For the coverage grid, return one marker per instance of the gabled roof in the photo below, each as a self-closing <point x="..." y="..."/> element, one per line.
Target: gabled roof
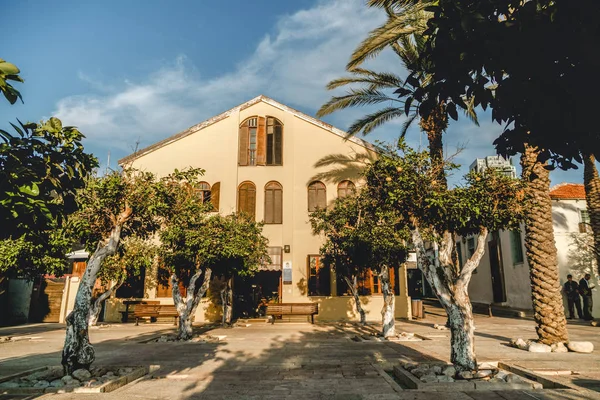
<point x="568" y="191"/>
<point x="226" y="114"/>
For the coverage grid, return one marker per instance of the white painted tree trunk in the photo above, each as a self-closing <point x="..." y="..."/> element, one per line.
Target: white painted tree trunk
<point x="227" y="302"/>
<point x="353" y="285"/>
<point x="450" y="284"/>
<point x="77" y="351"/>
<point x="388" y="310"/>
<point x="186" y="308"/>
<point x="97" y="305"/>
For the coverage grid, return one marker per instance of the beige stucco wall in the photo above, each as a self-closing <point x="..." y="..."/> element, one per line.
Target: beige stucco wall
<point x="215" y="149"/>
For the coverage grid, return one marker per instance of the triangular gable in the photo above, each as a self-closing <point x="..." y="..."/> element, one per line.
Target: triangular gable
<point x="226" y="114"/>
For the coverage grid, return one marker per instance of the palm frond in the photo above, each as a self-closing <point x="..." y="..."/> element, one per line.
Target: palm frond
<point x="406" y="124"/>
<point x="369" y="122"/>
<point x="373" y="79"/>
<point x="354" y="98"/>
<point x="470" y="112"/>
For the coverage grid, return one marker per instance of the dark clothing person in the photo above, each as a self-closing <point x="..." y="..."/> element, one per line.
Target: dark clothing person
<point x="571" y="289"/>
<point x="586" y="294"/>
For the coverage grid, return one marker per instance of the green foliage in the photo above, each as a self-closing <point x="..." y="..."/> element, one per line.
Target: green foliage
<point x="134" y="256"/>
<point x="9" y="72"/>
<point x="360" y="235"/>
<point x="104" y="198"/>
<point x="193" y="238"/>
<point x="41" y="168"/>
<point x="31" y="255"/>
<point x="406" y="182"/>
<point x="529" y="61"/>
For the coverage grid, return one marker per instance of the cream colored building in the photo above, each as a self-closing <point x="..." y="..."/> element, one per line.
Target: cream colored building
<point x="503" y="275"/>
<point x="260" y="157"/>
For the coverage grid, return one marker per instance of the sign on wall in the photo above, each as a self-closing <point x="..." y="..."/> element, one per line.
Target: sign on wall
<point x="287" y="272"/>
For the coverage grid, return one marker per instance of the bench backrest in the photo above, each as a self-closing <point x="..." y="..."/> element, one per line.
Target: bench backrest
<point x="293" y="308"/>
<point x="146" y="308"/>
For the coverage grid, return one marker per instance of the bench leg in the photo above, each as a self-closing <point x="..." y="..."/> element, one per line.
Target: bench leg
<point x="136" y="321"/>
<point x="175" y="321"/>
<point x="312" y="319"/>
<point x="272" y="319"/>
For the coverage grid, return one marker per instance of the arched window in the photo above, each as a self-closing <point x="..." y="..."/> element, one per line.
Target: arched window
<point x="346" y="188"/>
<point x="317" y="196"/>
<point x="274" y="141"/>
<point x="204" y="192"/>
<point x="260" y="141"/>
<point x="273" y="203"/>
<point x="215" y="195"/>
<point x="247" y="198"/>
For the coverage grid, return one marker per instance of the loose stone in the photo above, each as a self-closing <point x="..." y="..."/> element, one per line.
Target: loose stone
<point x="535" y="347"/>
<point x="9" y="385"/>
<point x="57" y="383"/>
<point x="429" y="378"/>
<point x="420" y="372"/>
<point x="41" y="384"/>
<point x="519" y="343"/>
<point x="559" y="348"/>
<point x="512" y="378"/>
<point x="436" y="369"/>
<point x="444" y="378"/>
<point x="483" y="373"/>
<point x="580" y="347"/>
<point x="501" y="375"/>
<point x="449" y="371"/>
<point x="465" y="375"/>
<point x="81" y="374"/>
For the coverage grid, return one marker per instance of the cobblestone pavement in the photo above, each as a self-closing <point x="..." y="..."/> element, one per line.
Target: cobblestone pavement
<point x="298" y="360"/>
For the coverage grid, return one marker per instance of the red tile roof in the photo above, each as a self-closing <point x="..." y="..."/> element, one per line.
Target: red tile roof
<point x="568" y="191"/>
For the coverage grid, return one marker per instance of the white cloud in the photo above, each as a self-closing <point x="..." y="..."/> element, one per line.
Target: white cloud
<point x="306" y="50"/>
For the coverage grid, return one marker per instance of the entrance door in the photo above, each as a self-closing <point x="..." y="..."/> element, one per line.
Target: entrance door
<point x="497" y="269"/>
<point x="45" y="300"/>
<point x="251" y="292"/>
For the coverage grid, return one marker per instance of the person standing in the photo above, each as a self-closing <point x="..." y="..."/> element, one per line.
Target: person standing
<point x="585" y="288"/>
<point x="571" y="290"/>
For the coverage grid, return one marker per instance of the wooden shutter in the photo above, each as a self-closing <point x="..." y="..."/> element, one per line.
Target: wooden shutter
<point x="278" y="144"/>
<point x="269" y="206"/>
<point x="252" y="201"/>
<point x="278" y="206"/>
<point x="215" y="195"/>
<point x="321" y="197"/>
<point x="242" y="199"/>
<point x="261" y="142"/>
<point x="243" y="148"/>
<point x="312" y="198"/>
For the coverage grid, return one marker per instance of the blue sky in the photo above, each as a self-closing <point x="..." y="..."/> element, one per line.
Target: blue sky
<point x="129" y="71"/>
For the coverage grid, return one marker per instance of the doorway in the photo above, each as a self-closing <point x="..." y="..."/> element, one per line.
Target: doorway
<point x="253" y="293"/>
<point x="497" y="269"/>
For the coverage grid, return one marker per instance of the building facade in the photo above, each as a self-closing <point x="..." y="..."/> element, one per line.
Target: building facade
<point x="498" y="163"/>
<point x="503" y="275"/>
<point x="260" y="157"/>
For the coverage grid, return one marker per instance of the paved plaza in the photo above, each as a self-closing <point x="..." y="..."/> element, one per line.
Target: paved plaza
<point x="298" y="360"/>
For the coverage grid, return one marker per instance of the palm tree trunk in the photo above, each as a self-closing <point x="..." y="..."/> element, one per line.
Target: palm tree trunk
<point x="591" y="181"/>
<point x="548" y="307"/>
<point x="434" y="126"/>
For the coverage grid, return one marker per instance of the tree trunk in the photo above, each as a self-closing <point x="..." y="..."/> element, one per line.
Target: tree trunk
<point x="451" y="284"/>
<point x="549" y="313"/>
<point x="592" y="199"/>
<point x="97" y="305"/>
<point x="353" y="285"/>
<point x="388" y="310"/>
<point x="187" y="308"/>
<point x="227" y="302"/>
<point x="434" y="126"/>
<point x="77" y="351"/>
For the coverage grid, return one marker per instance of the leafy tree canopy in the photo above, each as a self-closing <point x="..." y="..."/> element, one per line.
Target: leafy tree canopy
<point x="529" y="61"/>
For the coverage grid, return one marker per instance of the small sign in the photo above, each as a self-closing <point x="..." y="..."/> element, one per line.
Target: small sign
<point x="287" y="272"/>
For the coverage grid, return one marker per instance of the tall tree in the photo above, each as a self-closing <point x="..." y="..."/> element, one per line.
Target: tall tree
<point x="405" y="183"/>
<point x="112" y="207"/>
<point x="363" y="238"/>
<point x="591" y="182"/>
<point x="131" y="260"/>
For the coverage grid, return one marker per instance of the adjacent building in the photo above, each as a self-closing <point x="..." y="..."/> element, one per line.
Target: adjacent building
<point x="498" y="163"/>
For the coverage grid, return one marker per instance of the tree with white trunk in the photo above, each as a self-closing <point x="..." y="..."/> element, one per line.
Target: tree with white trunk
<point x="132" y="259"/>
<point x="197" y="245"/>
<point x="361" y="237"/>
<point x="406" y="182"/>
<point x="111" y="208"/>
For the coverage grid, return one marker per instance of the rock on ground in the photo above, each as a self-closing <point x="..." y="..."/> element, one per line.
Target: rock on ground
<point x="559" y="348"/>
<point x="580" y="347"/>
<point x="535" y="347"/>
<point x="449" y="371"/>
<point x="82" y="374"/>
<point x="519" y="343"/>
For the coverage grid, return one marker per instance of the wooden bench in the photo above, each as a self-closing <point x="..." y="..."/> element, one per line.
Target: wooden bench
<point x="155" y="311"/>
<point x="293" y="309"/>
<point x="130" y="306"/>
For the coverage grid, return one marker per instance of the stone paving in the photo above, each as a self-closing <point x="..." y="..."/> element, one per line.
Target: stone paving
<point x="297" y="360"/>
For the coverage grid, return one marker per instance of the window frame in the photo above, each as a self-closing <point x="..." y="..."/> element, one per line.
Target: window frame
<point x="239" y="196"/>
<point x="203" y="190"/>
<point x="516" y="249"/>
<point x="272" y="191"/>
<point x="346" y="188"/>
<point x="321" y="188"/>
<point x="309" y="275"/>
<point x="271" y="140"/>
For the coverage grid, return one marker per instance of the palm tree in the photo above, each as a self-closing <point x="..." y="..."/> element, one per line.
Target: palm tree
<point x="549" y="313"/>
<point x="591" y="181"/>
